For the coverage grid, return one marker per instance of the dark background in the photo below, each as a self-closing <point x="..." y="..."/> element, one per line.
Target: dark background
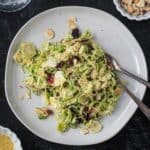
<point x="134" y="136"/>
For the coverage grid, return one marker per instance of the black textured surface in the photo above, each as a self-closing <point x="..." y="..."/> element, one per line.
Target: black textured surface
<point x="134" y="136"/>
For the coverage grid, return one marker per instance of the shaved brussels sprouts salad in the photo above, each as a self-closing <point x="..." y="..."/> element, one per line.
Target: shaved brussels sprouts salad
<point x="73" y="77"/>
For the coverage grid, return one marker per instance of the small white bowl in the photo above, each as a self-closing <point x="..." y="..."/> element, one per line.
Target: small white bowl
<point x="126" y="14"/>
<point x="13" y="137"/>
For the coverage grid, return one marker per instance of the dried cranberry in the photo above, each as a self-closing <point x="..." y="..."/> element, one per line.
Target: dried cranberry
<point x="50" y="112"/>
<point x="70" y="62"/>
<point x="50" y="78"/>
<point x="75" y="33"/>
<point x="76" y="57"/>
<point x="60" y="65"/>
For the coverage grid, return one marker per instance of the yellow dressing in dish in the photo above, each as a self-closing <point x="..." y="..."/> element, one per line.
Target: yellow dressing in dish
<point x="6" y="143"/>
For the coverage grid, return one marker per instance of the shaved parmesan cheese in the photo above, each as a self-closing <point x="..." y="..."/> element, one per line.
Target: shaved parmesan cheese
<point x="59" y="78"/>
<point x="51" y="62"/>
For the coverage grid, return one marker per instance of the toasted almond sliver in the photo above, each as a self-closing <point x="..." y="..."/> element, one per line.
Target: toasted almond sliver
<point x="84" y="131"/>
<point x="73" y="19"/>
<point x="128" y="2"/>
<point x="49" y="33"/>
<point x="140" y="3"/>
<point x="130" y="9"/>
<point x="72" y="22"/>
<point x="42" y="110"/>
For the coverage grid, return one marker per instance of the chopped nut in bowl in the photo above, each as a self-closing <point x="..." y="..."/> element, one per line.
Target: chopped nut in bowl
<point x="9" y="140"/>
<point x="134" y="9"/>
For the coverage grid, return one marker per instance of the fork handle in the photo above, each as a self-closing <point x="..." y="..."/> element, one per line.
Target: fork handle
<point x="134" y="77"/>
<point x="141" y="105"/>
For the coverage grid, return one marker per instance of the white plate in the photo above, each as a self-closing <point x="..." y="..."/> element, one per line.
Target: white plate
<point x="13" y="137"/>
<point x="112" y="35"/>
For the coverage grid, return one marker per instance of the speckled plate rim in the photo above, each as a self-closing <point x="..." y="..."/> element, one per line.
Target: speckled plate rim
<point x="131" y="104"/>
<point x="127" y="15"/>
<point x="13" y="137"/>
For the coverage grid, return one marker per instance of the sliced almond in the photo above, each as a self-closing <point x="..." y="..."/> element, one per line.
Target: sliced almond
<point x="140" y="3"/>
<point x="130" y="9"/>
<point x="49" y="33"/>
<point x="84" y="131"/>
<point x="73" y="18"/>
<point x="72" y="22"/>
<point x="43" y="112"/>
<point x="128" y="2"/>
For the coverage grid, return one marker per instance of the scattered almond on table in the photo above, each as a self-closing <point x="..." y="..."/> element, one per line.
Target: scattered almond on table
<point x="136" y="7"/>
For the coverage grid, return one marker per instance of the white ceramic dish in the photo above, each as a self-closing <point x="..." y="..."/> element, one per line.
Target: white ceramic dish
<point x="13" y="137"/>
<point x="112" y="35"/>
<point x="127" y="15"/>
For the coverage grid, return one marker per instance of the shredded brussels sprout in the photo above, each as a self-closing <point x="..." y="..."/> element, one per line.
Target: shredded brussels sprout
<point x="73" y="77"/>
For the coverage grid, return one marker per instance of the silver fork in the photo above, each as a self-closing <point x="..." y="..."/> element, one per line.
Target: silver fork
<point x="116" y="67"/>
